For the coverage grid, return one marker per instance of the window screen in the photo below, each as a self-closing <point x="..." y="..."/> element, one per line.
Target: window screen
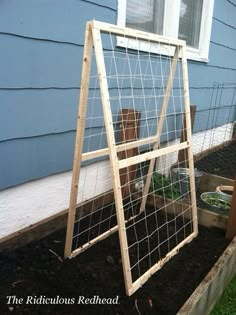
<point x="190" y="21"/>
<point x="145" y="15"/>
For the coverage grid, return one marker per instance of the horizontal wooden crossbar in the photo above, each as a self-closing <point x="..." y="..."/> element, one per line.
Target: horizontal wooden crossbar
<point x="152" y="155"/>
<point x="141" y="280"/>
<point x="132" y="33"/>
<point x="119" y="148"/>
<point x="100" y="237"/>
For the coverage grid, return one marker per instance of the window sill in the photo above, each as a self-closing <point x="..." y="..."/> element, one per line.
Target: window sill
<point x="165" y="50"/>
<point x="196" y="55"/>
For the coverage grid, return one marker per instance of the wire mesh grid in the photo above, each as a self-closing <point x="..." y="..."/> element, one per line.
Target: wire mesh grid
<point x="147" y="106"/>
<point x="216" y="147"/>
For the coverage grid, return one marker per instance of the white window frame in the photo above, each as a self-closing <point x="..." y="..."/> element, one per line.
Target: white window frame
<point x="171" y="29"/>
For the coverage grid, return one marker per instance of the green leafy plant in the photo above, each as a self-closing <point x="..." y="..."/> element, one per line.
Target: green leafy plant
<point x="217" y="202"/>
<point x="162" y="185"/>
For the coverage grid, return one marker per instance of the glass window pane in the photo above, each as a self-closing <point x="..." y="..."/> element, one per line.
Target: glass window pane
<point x="190" y="21"/>
<point x="145" y="15"/>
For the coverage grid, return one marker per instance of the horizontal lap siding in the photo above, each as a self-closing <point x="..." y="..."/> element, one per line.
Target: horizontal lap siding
<point x="35" y="112"/>
<point x="55" y="20"/>
<point x="41" y="44"/>
<point x="41" y="51"/>
<point x="222" y="55"/>
<point x="27" y="63"/>
<point x="221" y="68"/>
<point x="32" y="158"/>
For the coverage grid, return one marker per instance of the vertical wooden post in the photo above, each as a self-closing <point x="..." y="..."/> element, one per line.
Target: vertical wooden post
<point x="85" y="77"/>
<point x="106" y="105"/>
<point x="234" y="132"/>
<point x="183" y="154"/>
<point x="231" y="225"/>
<point x="189" y="139"/>
<point x="129" y="131"/>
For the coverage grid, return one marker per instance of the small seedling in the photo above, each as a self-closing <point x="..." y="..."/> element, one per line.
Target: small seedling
<point x="162" y="185"/>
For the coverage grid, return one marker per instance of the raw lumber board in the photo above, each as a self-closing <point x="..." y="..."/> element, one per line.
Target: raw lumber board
<point x="203" y="299"/>
<point x="231" y="226"/>
<point x="209" y="182"/>
<point x="206" y="152"/>
<point x="205" y="217"/>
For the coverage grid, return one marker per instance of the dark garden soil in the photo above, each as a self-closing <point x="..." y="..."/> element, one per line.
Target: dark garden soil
<point x="35" y="271"/>
<point x="221" y="162"/>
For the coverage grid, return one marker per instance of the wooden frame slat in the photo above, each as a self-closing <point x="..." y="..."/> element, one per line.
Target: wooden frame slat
<point x="231" y="226"/>
<point x="113" y="156"/>
<point x="152" y="155"/>
<point x="189" y="137"/>
<point x="119" y="148"/>
<point x="85" y="77"/>
<point x="140" y="282"/>
<point x="99" y="238"/>
<point x="136" y="34"/>
<point x="89" y="244"/>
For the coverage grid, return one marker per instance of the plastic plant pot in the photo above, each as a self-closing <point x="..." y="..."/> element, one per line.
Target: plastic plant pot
<point x="216" y="201"/>
<point x="182" y="179"/>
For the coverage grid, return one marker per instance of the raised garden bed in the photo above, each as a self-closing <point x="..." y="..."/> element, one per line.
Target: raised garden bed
<point x="221" y="162"/>
<point x="209" y="183"/>
<point x="227" y="302"/>
<point x="210" y="289"/>
<point x="34" y="270"/>
<point x="218" y="165"/>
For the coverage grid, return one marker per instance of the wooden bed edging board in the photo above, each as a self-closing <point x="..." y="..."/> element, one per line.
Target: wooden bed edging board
<point x="51" y="224"/>
<point x="58" y="221"/>
<point x="205" y="217"/>
<point x="203" y="299"/>
<point x="209" y="182"/>
<point x="206" y="152"/>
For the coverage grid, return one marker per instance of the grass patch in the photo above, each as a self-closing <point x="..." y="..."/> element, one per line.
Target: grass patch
<point x="226" y="305"/>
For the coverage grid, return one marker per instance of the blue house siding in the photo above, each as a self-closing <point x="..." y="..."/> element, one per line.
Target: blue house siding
<point x="35" y="112"/>
<point x="55" y="20"/>
<point x="41" y="44"/>
<point x="220" y="68"/>
<point x="37" y="64"/>
<point x="31" y="158"/>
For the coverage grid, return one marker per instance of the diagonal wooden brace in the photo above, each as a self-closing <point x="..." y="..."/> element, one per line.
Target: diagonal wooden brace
<point x="160" y="124"/>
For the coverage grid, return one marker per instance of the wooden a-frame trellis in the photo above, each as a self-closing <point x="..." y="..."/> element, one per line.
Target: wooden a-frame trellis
<point x="93" y="39"/>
